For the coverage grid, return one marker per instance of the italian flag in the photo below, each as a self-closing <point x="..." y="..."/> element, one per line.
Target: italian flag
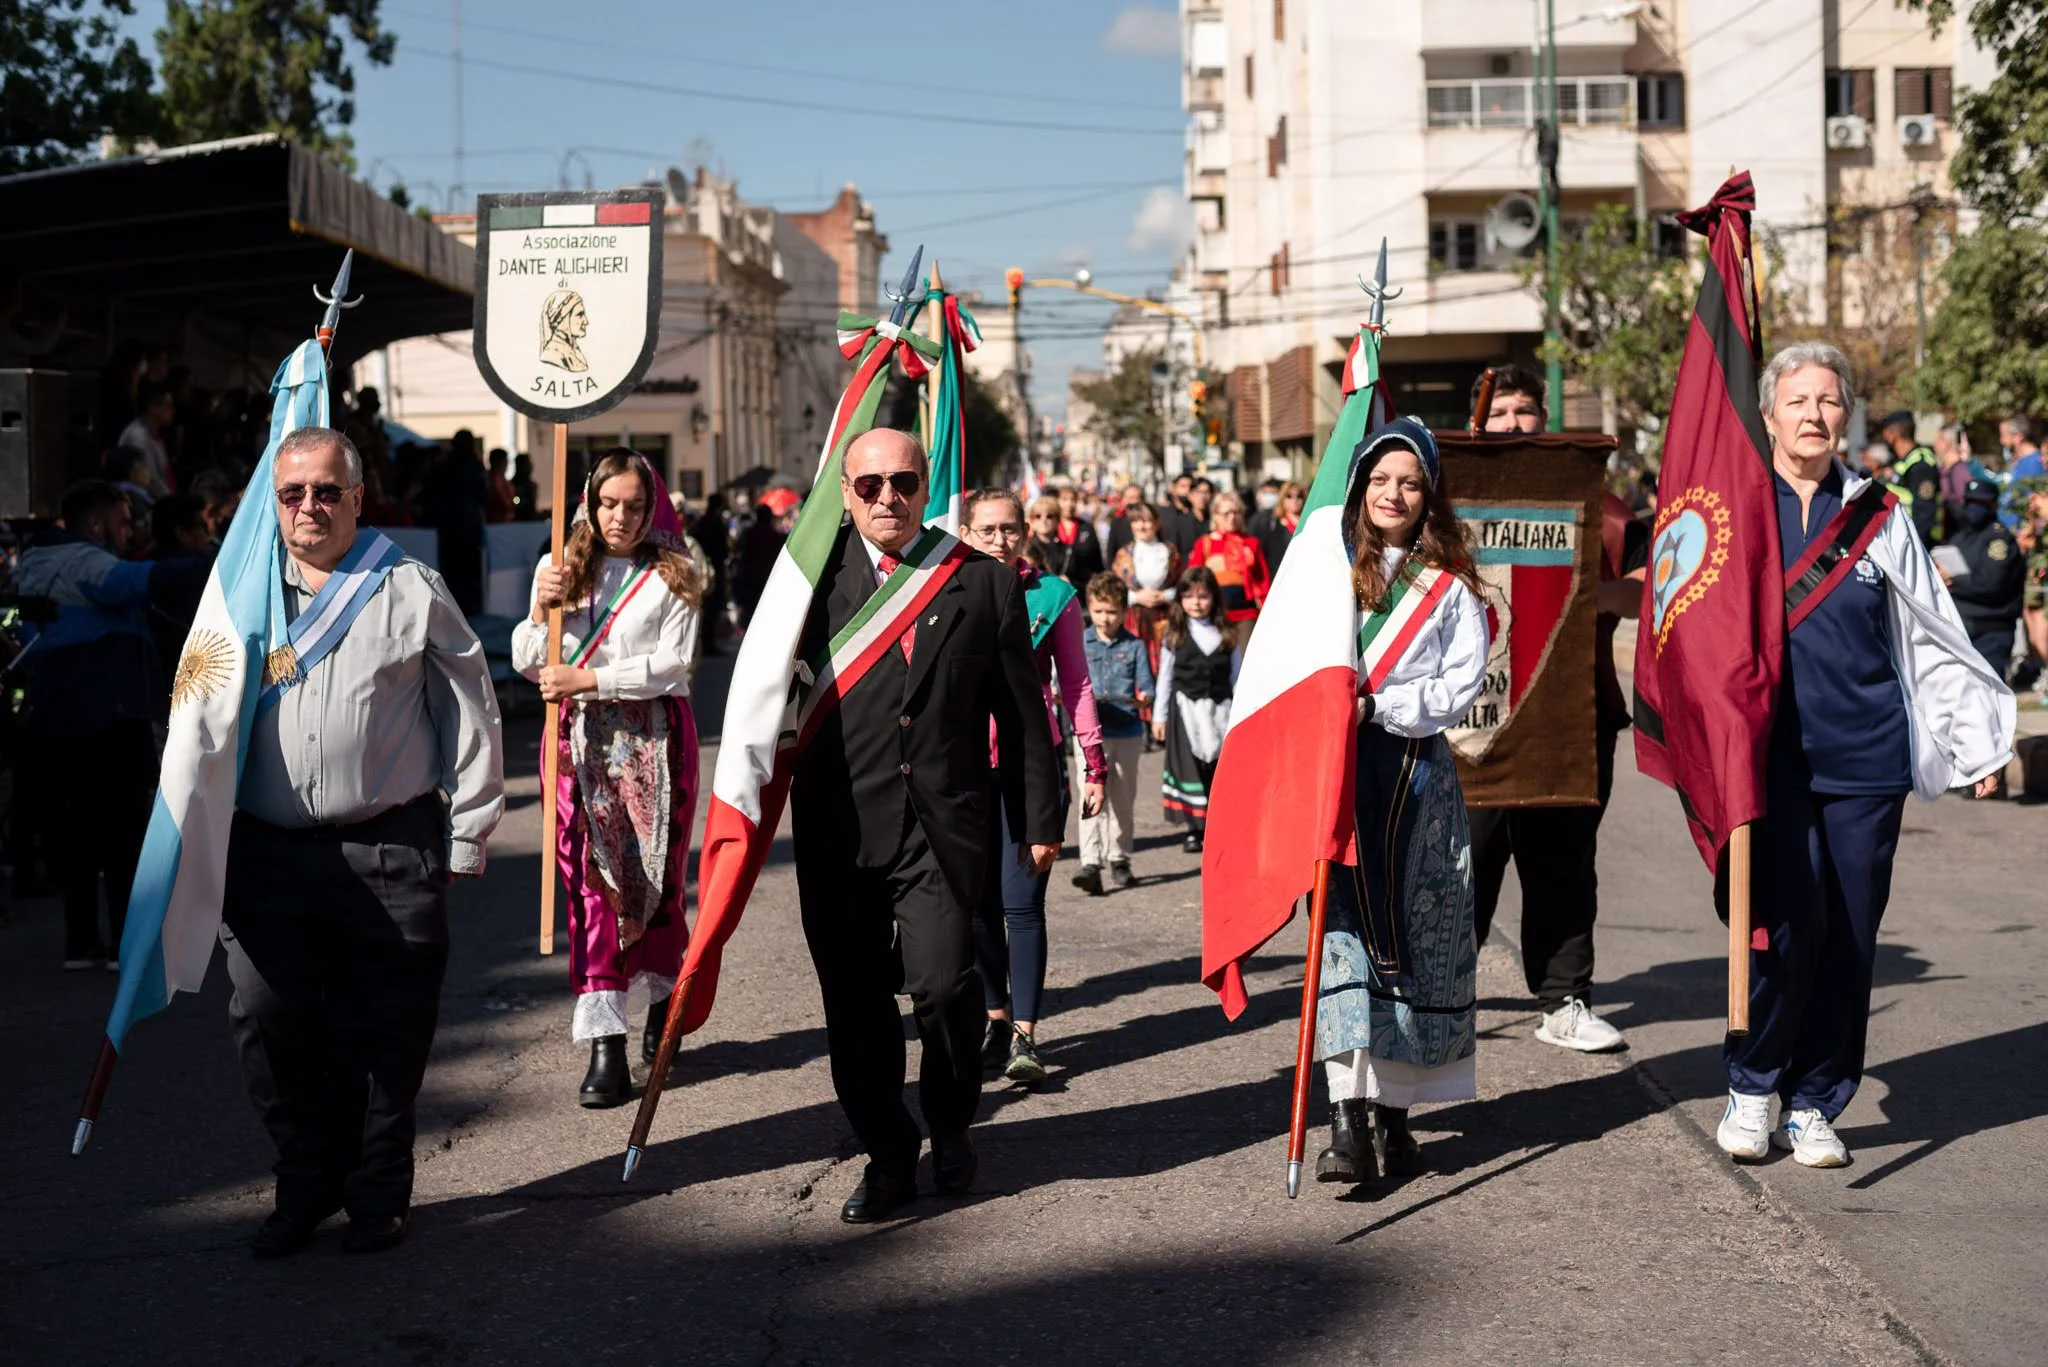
<point x="1282" y="795"/>
<point x="777" y="699"/>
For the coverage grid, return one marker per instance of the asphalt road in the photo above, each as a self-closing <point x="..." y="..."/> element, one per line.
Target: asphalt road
<point x="1133" y="1210"/>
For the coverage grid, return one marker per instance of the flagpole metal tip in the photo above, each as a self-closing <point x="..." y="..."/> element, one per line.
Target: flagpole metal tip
<point x="632" y="1162"/>
<point x="80" y="1136"/>
<point x="1293" y="1178"/>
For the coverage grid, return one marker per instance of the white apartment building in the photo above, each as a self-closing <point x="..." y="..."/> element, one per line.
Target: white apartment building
<point x="1317" y="127"/>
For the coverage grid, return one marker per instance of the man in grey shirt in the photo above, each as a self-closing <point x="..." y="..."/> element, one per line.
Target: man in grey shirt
<point x="369" y="782"/>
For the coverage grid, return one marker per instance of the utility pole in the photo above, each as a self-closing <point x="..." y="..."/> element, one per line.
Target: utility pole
<point x="1546" y="156"/>
<point x="457" y="190"/>
<point x="1014" y="278"/>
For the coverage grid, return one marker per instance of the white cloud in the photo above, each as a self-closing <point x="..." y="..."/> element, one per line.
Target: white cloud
<point x="1162" y="223"/>
<point x="1141" y="31"/>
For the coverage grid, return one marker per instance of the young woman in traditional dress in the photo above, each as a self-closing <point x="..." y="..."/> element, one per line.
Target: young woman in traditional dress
<point x="1149" y="567"/>
<point x="627" y="788"/>
<point x="1010" y="943"/>
<point x="1395" y="1024"/>
<point x="1199" y="656"/>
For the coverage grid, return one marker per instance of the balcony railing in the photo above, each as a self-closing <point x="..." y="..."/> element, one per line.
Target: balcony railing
<point x="1586" y="100"/>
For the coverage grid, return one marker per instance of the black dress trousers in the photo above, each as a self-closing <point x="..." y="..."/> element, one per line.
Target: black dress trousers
<point x="874" y="931"/>
<point x="337" y="942"/>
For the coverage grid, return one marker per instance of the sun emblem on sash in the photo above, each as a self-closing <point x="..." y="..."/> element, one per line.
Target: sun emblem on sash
<point x="280" y="666"/>
<point x="204" y="669"/>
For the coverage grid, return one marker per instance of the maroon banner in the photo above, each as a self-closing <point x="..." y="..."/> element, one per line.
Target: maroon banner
<point x="1710" y="649"/>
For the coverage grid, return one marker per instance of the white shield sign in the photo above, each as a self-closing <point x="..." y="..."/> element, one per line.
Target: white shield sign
<point x="568" y="297"/>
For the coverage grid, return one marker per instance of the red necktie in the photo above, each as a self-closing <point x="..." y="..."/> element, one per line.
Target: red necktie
<point x="888" y="566"/>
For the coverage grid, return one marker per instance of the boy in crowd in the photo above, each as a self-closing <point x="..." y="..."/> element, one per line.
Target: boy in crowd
<point x="1120" y="673"/>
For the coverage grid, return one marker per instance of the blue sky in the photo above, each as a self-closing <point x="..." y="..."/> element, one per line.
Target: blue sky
<point x="980" y="196"/>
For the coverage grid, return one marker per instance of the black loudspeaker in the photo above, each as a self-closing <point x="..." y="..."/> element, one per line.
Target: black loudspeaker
<point x="35" y="438"/>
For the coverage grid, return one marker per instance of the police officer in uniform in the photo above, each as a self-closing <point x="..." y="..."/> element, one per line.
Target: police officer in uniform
<point x="1916" y="477"/>
<point x="1989" y="595"/>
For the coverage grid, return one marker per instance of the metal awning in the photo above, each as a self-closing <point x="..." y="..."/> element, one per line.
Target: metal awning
<point x="213" y="251"/>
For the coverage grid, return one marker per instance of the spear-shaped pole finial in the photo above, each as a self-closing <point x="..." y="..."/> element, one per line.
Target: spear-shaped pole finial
<point x="336" y="300"/>
<point x="1376" y="289"/>
<point x="906" y="294"/>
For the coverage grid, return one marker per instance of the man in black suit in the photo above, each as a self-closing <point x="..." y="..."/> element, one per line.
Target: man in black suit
<point x="893" y="801"/>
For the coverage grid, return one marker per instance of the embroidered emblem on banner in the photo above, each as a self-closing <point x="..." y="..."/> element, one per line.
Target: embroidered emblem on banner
<point x="204" y="669"/>
<point x="1527" y="555"/>
<point x="1691" y="546"/>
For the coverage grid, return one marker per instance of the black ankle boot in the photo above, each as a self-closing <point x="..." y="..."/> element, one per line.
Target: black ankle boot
<point x="1349" y="1157"/>
<point x="650" y="1039"/>
<point x="1399" y="1154"/>
<point x="609" y="1081"/>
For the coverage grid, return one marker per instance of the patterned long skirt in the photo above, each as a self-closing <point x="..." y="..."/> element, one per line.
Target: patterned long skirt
<point x="1395" y="1021"/>
<point x="623" y="847"/>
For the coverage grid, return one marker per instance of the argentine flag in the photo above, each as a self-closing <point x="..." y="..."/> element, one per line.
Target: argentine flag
<point x="174" y="910"/>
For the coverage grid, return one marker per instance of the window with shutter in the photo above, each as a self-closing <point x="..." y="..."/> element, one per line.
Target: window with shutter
<point x="1272" y="159"/>
<point x="1940" y="92"/>
<point x="1279" y="21"/>
<point x="1280" y="137"/>
<point x="1247" y="76"/>
<point x="1863" y="94"/>
<point x="1835" y="93"/>
<point x="1911" y="91"/>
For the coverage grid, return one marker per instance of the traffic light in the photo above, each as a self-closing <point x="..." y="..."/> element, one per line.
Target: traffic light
<point x="1197" y="391"/>
<point x="1014" y="278"/>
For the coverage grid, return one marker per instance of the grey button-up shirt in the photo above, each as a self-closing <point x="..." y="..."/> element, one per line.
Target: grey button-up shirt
<point x="401" y="707"/>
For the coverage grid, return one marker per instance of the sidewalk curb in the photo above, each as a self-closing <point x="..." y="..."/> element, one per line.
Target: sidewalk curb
<point x="1837" y="1262"/>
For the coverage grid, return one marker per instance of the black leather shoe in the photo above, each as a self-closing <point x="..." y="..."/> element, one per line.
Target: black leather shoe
<point x="879" y="1196"/>
<point x="286" y="1232"/>
<point x="1399" y="1154"/>
<point x="995" y="1047"/>
<point x="954" y="1163"/>
<point x="609" y="1081"/>
<point x="1349" y="1157"/>
<point x="375" y="1233"/>
<point x="650" y="1038"/>
<point x="1193" y="844"/>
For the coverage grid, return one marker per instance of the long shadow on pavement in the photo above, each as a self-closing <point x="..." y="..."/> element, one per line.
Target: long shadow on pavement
<point x="1941" y="1095"/>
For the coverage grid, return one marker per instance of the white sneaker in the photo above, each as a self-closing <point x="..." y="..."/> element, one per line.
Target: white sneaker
<point x="1745" y="1129"/>
<point x="1813" y="1142"/>
<point x="1574" y="1026"/>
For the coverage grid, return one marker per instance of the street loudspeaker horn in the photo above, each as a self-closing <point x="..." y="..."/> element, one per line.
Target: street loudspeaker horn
<point x="1514" y="223"/>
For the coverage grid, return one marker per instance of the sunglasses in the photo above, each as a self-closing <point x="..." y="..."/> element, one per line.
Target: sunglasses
<point x="906" y="483"/>
<point x="326" y="495"/>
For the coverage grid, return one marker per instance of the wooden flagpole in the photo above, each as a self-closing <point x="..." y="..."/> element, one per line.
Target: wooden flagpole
<point x="1738" y="931"/>
<point x="1305" y="1048"/>
<point x="558" y="487"/>
<point x="931" y="389"/>
<point x="657" y="1075"/>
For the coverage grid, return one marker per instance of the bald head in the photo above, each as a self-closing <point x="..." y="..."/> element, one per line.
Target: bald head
<point x="878" y="464"/>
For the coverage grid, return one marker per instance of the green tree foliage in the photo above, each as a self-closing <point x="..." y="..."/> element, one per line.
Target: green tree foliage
<point x="1987" y="347"/>
<point x="234" y="67"/>
<point x="66" y="77"/>
<point x="1624" y="313"/>
<point x="1126" y="403"/>
<point x="2002" y="130"/>
<point x="1987" y="344"/>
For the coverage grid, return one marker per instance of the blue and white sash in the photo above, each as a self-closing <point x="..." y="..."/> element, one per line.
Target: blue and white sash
<point x="319" y="629"/>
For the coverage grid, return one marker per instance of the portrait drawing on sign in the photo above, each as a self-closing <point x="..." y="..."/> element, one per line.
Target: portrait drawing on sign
<point x="564" y="323"/>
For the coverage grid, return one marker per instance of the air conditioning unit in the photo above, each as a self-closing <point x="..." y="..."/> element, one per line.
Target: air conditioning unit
<point x="1848" y="133"/>
<point x="1917" y="130"/>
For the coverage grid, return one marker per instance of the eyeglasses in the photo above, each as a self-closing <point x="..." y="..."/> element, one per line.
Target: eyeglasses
<point x="1004" y="531"/>
<point x="326" y="495"/>
<point x="906" y="483"/>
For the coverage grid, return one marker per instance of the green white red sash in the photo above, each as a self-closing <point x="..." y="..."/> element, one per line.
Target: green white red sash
<point x="601" y="625"/>
<point x="927" y="563"/>
<point x="1386" y="634"/>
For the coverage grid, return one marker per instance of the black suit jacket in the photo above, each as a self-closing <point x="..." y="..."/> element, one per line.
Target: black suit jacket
<point x="909" y="743"/>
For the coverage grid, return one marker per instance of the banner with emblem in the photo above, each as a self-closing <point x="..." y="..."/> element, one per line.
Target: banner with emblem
<point x="568" y="297"/>
<point x="1531" y="506"/>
